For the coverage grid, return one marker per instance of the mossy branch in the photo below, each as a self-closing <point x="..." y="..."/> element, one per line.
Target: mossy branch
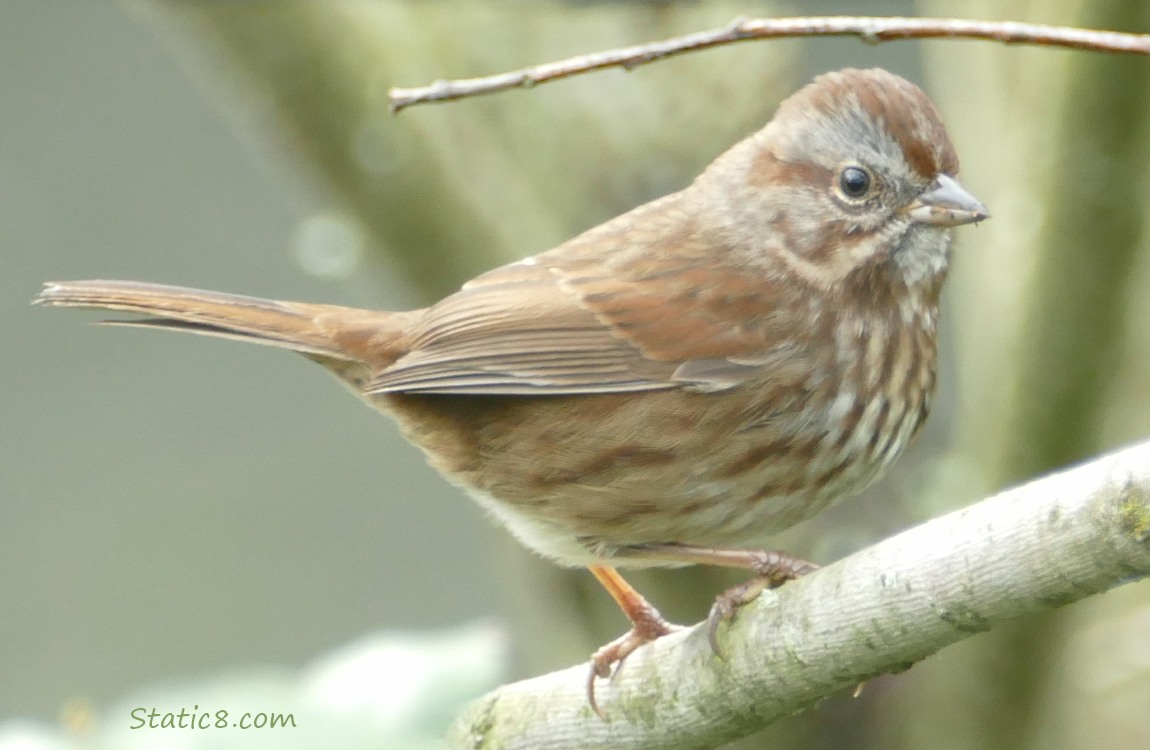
<point x="1051" y="542"/>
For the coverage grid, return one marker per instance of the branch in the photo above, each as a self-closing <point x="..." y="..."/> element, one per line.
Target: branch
<point x="1048" y="543"/>
<point x="870" y="29"/>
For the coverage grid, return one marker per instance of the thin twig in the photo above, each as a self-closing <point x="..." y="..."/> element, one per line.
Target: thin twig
<point x="870" y="29"/>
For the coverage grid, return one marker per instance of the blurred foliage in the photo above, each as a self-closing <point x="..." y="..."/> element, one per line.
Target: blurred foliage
<point x="387" y="690"/>
<point x="452" y="191"/>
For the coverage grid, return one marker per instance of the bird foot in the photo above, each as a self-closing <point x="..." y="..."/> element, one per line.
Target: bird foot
<point x="608" y="660"/>
<point x="773" y="569"/>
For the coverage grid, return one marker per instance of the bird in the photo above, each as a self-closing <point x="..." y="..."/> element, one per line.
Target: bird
<point x="679" y="383"/>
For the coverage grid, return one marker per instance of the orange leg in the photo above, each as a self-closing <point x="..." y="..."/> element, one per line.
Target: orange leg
<point x="646" y="625"/>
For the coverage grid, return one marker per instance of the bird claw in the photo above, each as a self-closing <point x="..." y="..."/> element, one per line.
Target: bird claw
<point x="728" y="603"/>
<point x="613" y="654"/>
<point x="774" y="569"/>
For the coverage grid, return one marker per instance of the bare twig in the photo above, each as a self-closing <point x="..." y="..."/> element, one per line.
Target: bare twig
<point x="1051" y="542"/>
<point x="870" y="29"/>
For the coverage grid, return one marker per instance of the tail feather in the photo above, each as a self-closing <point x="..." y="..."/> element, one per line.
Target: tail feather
<point x="322" y="332"/>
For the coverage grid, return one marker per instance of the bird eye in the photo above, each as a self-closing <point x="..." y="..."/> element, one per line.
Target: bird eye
<point x="854" y="182"/>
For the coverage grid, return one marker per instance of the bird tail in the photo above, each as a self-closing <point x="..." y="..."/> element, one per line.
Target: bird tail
<point x="322" y="332"/>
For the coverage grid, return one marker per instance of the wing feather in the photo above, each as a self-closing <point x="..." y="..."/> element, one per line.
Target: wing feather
<point x="622" y="308"/>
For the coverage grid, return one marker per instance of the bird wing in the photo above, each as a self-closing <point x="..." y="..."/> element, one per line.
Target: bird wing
<point x="644" y="302"/>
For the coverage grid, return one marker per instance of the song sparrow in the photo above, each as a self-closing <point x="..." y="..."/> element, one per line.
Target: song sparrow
<point x="675" y="385"/>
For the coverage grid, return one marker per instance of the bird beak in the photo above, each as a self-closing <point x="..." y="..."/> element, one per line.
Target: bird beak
<point x="946" y="204"/>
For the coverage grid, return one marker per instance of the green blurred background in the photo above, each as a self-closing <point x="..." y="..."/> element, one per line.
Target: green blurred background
<point x="174" y="508"/>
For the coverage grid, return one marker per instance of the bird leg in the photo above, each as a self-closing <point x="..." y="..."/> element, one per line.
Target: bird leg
<point x="646" y="625"/>
<point x="772" y="569"/>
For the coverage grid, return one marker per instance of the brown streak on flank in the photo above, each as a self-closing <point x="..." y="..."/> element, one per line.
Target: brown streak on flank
<point x="625" y="458"/>
<point x="920" y="418"/>
<point x="877" y="437"/>
<point x="851" y="421"/>
<point x="835" y="472"/>
<point x="892" y="435"/>
<point x="887" y="373"/>
<point x="751" y="459"/>
<point x="692" y="508"/>
<point x="778" y="489"/>
<point x="793" y="448"/>
<point x="916" y="363"/>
